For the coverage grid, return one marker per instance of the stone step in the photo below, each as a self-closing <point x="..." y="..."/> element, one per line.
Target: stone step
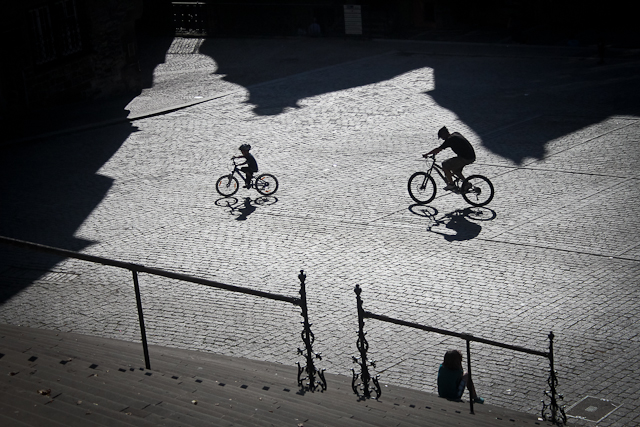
<point x="195" y="388"/>
<point x="30" y="407"/>
<point x="233" y="368"/>
<point x="78" y="392"/>
<point x="155" y="386"/>
<point x="119" y="391"/>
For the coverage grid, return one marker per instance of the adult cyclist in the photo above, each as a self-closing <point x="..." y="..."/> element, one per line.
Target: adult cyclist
<point x="465" y="155"/>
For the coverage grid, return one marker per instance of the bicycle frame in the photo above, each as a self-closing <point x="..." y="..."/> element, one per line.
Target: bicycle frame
<point x="439" y="170"/>
<point x="477" y="190"/>
<point x="236" y="170"/>
<point x="227" y="185"/>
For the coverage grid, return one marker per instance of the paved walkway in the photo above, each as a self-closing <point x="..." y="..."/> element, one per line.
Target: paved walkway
<point x="557" y="249"/>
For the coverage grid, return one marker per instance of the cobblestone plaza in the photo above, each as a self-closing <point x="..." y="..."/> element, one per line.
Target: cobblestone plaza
<point x="558" y="249"/>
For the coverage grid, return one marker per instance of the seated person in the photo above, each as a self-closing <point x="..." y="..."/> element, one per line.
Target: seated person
<point x="452" y="380"/>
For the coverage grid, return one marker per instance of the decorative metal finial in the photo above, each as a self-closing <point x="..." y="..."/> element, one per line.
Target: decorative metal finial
<point x="363" y="389"/>
<point x="557" y="415"/>
<point x="312" y="384"/>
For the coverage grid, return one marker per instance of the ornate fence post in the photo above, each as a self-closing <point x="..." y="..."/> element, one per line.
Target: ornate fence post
<point x="557" y="417"/>
<point x="363" y="347"/>
<point x="308" y="338"/>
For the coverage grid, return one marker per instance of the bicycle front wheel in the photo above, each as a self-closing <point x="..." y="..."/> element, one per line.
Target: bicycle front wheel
<point x="422" y="188"/>
<point x="227" y="185"/>
<point x="479" y="190"/>
<point x="266" y="184"/>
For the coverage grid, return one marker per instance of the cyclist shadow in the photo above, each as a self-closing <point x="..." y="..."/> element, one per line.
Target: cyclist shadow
<point x="459" y="225"/>
<point x="242" y="209"/>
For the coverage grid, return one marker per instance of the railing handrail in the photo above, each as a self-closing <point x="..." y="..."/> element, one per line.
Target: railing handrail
<point x="307" y="335"/>
<point x="150" y="270"/>
<point x="558" y="415"/>
<point x="467" y="337"/>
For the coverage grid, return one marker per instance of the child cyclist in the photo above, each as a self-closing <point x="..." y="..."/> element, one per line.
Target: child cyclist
<point x="250" y="162"/>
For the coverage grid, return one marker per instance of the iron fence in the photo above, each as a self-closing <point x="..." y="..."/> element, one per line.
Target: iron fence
<point x="551" y="411"/>
<point x="312" y="373"/>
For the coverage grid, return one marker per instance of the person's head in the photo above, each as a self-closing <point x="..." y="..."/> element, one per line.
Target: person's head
<point x="443" y="133"/>
<point x="244" y="148"/>
<point x="453" y="359"/>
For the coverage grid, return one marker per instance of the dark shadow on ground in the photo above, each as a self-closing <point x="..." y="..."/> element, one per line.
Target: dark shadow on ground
<point x="242" y="209"/>
<point x="458" y="225"/>
<point x="43" y="122"/>
<point x="49" y="187"/>
<point x="250" y="62"/>
<point x="518" y="106"/>
<point x="515" y="104"/>
<point x="49" y="183"/>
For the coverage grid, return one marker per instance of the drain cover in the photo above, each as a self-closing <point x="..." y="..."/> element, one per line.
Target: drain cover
<point x="592" y="409"/>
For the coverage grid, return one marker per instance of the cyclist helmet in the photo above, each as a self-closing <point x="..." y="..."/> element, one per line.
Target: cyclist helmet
<point x="443" y="132"/>
<point x="245" y="147"/>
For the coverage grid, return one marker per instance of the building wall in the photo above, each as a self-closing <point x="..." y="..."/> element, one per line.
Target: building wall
<point x="67" y="51"/>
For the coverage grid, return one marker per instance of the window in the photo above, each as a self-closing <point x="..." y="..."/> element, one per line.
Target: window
<point x="43" y="35"/>
<point x="70" y="29"/>
<point x="55" y="31"/>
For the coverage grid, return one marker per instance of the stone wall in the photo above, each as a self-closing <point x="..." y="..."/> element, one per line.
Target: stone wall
<point x="90" y="49"/>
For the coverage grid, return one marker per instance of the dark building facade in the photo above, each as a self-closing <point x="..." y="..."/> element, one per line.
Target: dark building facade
<point x="525" y="20"/>
<point x="63" y="51"/>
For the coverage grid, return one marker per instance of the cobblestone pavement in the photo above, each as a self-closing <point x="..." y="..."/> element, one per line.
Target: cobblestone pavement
<point x="558" y="249"/>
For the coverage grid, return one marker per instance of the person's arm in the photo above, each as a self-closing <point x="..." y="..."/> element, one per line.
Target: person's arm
<point x="434" y="151"/>
<point x="240" y="157"/>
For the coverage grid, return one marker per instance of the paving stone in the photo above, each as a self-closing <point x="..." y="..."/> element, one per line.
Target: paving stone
<point x="557" y="249"/>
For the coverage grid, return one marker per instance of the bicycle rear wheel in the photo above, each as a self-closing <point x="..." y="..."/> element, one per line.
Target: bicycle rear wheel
<point x="480" y="192"/>
<point x="422" y="188"/>
<point x="266" y="184"/>
<point x="227" y="185"/>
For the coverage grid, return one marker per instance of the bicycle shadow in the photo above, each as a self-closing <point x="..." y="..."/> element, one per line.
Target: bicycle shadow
<point x="455" y="226"/>
<point x="242" y="209"/>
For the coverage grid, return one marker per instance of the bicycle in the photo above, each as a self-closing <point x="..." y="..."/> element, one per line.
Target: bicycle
<point x="228" y="185"/>
<point x="478" y="190"/>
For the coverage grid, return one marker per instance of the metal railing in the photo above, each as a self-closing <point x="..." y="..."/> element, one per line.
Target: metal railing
<point x="189" y="18"/>
<point x="315" y="378"/>
<point x="552" y="411"/>
<point x="307" y="335"/>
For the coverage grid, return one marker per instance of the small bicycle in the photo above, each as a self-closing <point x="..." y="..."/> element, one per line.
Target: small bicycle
<point x="228" y="185"/>
<point x="477" y="190"/>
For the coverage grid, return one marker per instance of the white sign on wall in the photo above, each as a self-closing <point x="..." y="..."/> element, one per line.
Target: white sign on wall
<point x="352" y="19"/>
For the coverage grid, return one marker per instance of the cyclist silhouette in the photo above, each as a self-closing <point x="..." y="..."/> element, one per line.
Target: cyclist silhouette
<point x="465" y="155"/>
<point x="250" y="161"/>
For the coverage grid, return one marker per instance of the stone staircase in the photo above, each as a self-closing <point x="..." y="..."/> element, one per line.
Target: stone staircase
<point x="52" y="378"/>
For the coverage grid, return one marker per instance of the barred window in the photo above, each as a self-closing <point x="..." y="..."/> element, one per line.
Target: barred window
<point x="55" y="31"/>
<point x="70" y="29"/>
<point x="42" y="30"/>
